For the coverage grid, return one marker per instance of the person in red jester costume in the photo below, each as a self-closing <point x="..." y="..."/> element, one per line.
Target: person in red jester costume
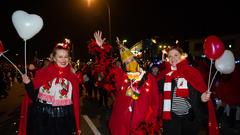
<point x="53" y="96"/>
<point x="136" y="103"/>
<point x="186" y="99"/>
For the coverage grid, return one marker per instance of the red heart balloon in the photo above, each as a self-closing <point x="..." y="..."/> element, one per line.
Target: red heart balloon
<point x="213" y="47"/>
<point x="1" y="47"/>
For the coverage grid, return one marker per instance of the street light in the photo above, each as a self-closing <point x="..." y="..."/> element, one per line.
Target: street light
<point x="109" y="18"/>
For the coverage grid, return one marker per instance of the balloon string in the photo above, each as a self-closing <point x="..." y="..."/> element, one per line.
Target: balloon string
<point x="209" y="75"/>
<point x="25" y="55"/>
<point x="212" y="80"/>
<point x="12" y="64"/>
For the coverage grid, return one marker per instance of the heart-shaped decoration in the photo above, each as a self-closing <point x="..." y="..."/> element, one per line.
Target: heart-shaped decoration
<point x="27" y="25"/>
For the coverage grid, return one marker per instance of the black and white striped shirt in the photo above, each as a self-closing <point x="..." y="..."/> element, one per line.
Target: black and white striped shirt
<point x="180" y="106"/>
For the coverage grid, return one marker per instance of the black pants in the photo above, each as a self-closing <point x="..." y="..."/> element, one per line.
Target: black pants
<point x="180" y="125"/>
<point x="103" y="97"/>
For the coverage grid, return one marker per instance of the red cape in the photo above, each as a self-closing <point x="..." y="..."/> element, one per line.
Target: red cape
<point x="42" y="76"/>
<point x="196" y="80"/>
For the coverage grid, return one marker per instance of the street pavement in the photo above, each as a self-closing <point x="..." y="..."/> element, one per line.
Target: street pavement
<point x="94" y="118"/>
<point x="10" y="110"/>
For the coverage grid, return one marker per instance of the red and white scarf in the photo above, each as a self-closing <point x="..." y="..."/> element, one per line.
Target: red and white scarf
<point x="195" y="79"/>
<point x="181" y="91"/>
<point x="44" y="75"/>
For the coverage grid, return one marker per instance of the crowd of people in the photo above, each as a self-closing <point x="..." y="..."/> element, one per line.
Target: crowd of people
<point x="8" y="75"/>
<point x="169" y="98"/>
<point x="147" y="100"/>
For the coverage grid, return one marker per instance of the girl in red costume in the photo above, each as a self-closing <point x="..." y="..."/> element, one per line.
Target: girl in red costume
<point x="184" y="94"/>
<point x="136" y="103"/>
<point x="54" y="97"/>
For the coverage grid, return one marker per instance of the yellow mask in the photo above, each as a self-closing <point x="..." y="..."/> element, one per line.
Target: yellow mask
<point x="132" y="66"/>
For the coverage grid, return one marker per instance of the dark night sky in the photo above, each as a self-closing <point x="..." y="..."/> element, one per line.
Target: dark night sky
<point x="130" y="19"/>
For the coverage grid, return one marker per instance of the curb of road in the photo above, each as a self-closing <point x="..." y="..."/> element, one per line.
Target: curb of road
<point x="91" y="125"/>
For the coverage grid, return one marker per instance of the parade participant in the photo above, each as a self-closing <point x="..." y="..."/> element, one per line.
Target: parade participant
<point x="184" y="94"/>
<point x="101" y="50"/>
<point x="154" y="69"/>
<point x="53" y="95"/>
<point x="136" y="101"/>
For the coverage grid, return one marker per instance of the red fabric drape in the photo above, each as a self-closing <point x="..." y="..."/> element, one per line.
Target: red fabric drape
<point x="194" y="77"/>
<point x="42" y="77"/>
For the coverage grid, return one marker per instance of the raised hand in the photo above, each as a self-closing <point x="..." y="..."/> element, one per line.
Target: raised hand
<point x="98" y="38"/>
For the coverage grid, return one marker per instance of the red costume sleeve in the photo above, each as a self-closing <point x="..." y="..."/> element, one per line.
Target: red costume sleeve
<point x="154" y="100"/>
<point x="152" y="125"/>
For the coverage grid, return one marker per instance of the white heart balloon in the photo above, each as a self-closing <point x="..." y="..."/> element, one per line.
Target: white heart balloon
<point x="225" y="63"/>
<point x="27" y="25"/>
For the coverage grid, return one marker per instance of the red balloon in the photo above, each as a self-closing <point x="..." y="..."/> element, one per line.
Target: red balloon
<point x="1" y="47"/>
<point x="213" y="47"/>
